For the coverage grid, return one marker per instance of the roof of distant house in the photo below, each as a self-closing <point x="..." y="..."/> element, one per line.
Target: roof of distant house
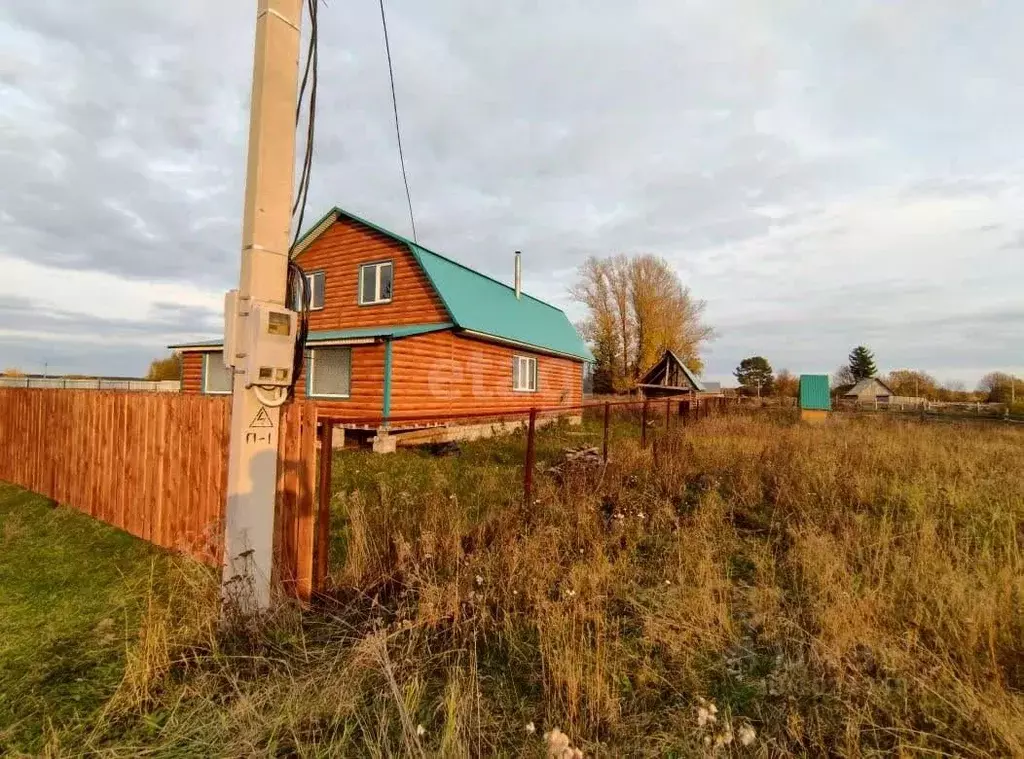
<point x="864" y="384"/>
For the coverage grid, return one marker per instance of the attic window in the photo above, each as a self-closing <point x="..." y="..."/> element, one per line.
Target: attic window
<point x="315" y="285"/>
<point x="314" y="290"/>
<point x="375" y="283"/>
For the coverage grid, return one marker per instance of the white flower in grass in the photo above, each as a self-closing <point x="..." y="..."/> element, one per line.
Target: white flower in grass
<point x="479" y="580"/>
<point x="530" y="728"/>
<point x="747" y="735"/>
<point x="557" y="741"/>
<point x="706" y="713"/>
<point x="724" y="738"/>
<point x="559" y="746"/>
<point x="421" y="731"/>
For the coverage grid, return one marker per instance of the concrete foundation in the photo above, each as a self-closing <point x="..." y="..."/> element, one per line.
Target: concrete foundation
<point x="468" y="432"/>
<point x="383" y="442"/>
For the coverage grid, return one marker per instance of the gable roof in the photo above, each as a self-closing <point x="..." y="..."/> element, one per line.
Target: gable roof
<point x="477" y="303"/>
<point x="861" y="386"/>
<point x="661" y="371"/>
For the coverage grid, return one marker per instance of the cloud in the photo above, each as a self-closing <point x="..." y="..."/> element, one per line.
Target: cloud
<point x="823" y="174"/>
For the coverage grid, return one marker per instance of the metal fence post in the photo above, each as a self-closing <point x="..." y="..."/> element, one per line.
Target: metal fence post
<point x="643" y="425"/>
<point x="607" y="413"/>
<point x="530" y="456"/>
<point x="322" y="546"/>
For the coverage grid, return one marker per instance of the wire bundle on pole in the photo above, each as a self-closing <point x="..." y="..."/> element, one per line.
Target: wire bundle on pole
<point x="297" y="290"/>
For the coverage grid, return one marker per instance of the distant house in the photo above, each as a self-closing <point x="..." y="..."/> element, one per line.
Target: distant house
<point x="398" y="330"/>
<point x="871" y="390"/>
<point x="669" y="377"/>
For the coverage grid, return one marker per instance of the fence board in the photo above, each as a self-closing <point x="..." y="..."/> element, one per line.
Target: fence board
<point x="155" y="465"/>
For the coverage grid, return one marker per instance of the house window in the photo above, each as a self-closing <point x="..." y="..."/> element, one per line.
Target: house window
<point x="314" y="291"/>
<point x="375" y="283"/>
<point x="330" y="373"/>
<point x="216" y="377"/>
<point x="315" y="286"/>
<point x="524" y="374"/>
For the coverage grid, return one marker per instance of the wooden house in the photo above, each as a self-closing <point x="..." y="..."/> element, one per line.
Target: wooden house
<point x="669" y="377"/>
<point x="870" y="390"/>
<point x="397" y="330"/>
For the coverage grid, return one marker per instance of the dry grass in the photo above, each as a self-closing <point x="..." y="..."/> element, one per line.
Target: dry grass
<point x="853" y="589"/>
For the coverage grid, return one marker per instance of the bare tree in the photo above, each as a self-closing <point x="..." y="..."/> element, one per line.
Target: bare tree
<point x="638" y="308"/>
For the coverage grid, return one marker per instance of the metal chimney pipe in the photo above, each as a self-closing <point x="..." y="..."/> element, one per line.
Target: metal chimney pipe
<point x="519" y="275"/>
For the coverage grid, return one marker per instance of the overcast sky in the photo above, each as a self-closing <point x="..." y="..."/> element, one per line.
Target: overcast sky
<point x="822" y="174"/>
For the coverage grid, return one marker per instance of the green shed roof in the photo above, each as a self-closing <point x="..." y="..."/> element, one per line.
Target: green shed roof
<point x="478" y="303"/>
<point x="814" y="392"/>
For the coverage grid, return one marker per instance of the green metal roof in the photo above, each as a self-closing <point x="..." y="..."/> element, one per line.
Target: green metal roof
<point x="481" y="304"/>
<point x="356" y="333"/>
<point x="399" y="330"/>
<point x="814" y="392"/>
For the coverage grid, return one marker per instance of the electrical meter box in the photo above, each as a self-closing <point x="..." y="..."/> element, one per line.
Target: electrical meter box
<point x="269" y="332"/>
<point x="272" y="345"/>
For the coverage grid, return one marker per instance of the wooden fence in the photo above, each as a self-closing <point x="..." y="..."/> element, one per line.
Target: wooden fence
<point x="155" y="465"/>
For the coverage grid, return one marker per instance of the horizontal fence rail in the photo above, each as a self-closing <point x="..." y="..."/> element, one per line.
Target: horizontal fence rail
<point x="523" y="414"/>
<point x="90" y="383"/>
<point x="155" y="465"/>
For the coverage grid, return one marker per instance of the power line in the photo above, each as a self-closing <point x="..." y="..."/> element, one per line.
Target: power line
<point x="398" y="131"/>
<point x="309" y="77"/>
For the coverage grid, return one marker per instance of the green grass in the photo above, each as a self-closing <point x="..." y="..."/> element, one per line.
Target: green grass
<point x="71" y="589"/>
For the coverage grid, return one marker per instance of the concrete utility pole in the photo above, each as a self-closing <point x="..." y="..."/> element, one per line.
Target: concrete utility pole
<point x="266" y="222"/>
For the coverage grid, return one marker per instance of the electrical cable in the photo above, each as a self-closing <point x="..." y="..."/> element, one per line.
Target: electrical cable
<point x="299" y="296"/>
<point x="280" y="400"/>
<point x="398" y="131"/>
<point x="310" y="75"/>
<point x="297" y="289"/>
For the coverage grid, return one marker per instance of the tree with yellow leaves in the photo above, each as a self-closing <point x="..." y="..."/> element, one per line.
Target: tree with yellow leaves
<point x="638" y="308"/>
<point x="165" y="368"/>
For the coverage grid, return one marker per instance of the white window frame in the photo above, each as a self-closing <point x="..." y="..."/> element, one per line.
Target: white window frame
<point x="313" y="305"/>
<point x="377" y="266"/>
<point x="311" y="373"/>
<point x="212" y="356"/>
<point x="530" y="364"/>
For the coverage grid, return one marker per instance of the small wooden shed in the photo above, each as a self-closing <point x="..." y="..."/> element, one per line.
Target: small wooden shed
<point x="815" y="398"/>
<point x="669" y="377"/>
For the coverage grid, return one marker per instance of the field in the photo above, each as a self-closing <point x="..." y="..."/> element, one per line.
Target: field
<point x="764" y="588"/>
